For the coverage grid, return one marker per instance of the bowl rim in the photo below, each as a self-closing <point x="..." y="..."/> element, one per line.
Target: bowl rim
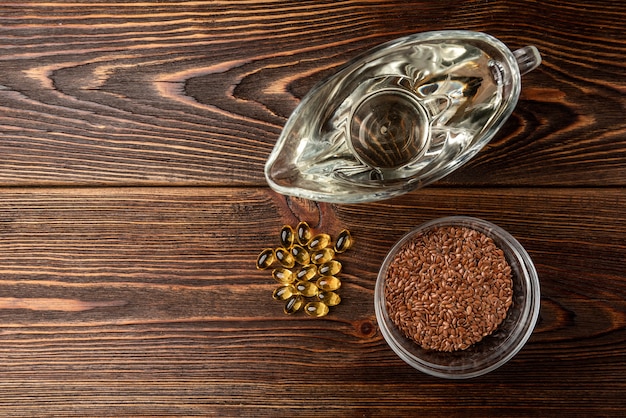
<point x="531" y="310"/>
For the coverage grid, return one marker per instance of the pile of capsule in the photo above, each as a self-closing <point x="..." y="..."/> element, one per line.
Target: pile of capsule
<point x="307" y="271"/>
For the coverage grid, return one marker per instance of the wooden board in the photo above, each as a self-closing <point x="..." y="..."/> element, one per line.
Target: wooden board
<point x="130" y="301"/>
<point x="133" y="137"/>
<point x="197" y="92"/>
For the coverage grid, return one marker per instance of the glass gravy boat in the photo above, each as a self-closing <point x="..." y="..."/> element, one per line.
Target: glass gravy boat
<point x="399" y="117"/>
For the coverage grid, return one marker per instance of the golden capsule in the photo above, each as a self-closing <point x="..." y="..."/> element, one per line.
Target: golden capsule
<point x="329" y="268"/>
<point x="303" y="233"/>
<point x="301" y="255"/>
<point x="320" y="241"/>
<point x="306" y="289"/>
<point x="344" y="241"/>
<point x="306" y="273"/>
<point x="283" y="275"/>
<point x="287" y="236"/>
<point x="284" y="292"/>
<point x="328" y="283"/>
<point x="284" y="257"/>
<point x="293" y="305"/>
<point x="265" y="259"/>
<point x="322" y="256"/>
<point x="329" y="298"/>
<point x="316" y="309"/>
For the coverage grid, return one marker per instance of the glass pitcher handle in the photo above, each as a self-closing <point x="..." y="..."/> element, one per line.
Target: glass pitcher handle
<point x="528" y="58"/>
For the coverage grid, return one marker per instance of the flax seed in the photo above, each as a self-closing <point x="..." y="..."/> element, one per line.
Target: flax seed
<point x="448" y="288"/>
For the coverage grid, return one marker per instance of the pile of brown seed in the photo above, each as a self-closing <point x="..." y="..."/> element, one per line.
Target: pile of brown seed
<point x="448" y="288"/>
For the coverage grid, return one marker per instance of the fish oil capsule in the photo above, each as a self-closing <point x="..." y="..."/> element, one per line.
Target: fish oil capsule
<point x="316" y="309"/>
<point x="328" y="283"/>
<point x="300" y="254"/>
<point x="293" y="305"/>
<point x="329" y="268"/>
<point x="285" y="258"/>
<point x="322" y="256"/>
<point x="306" y="289"/>
<point x="265" y="259"/>
<point x="344" y="241"/>
<point x="329" y="298"/>
<point x="283" y="275"/>
<point x="284" y="292"/>
<point x="320" y="241"/>
<point x="306" y="273"/>
<point x="303" y="233"/>
<point x="287" y="236"/>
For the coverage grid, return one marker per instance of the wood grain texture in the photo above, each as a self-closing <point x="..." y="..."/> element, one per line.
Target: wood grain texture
<point x="133" y="137"/>
<point x="146" y="301"/>
<point x="196" y="92"/>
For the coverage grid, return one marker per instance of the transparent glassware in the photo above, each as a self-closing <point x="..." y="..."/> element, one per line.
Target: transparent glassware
<point x="399" y="117"/>
<point x="494" y="350"/>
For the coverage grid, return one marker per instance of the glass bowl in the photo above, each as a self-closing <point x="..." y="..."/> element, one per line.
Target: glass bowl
<point x="493" y="350"/>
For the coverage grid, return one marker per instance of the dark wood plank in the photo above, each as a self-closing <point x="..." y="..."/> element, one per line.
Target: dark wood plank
<point x="146" y="301"/>
<point x="196" y="93"/>
<point x="130" y="301"/>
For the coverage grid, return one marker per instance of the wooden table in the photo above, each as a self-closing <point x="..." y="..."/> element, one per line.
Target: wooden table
<point x="133" y="206"/>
